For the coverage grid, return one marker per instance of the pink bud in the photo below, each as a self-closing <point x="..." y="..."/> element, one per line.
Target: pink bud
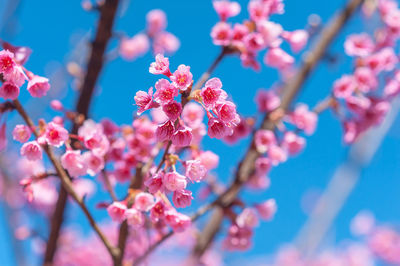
<point x="117" y="211"/>
<point x="178" y="221"/>
<point x="221" y="34"/>
<point x="264" y="139"/>
<point x="56" y="105"/>
<point x="293" y="143"/>
<point x="174" y="181"/>
<point x="267" y="209"/>
<point x="165" y="131"/>
<point x="247" y="218"/>
<point x="38" y="86"/>
<point x="182" y="198"/>
<point x="226" y="9"/>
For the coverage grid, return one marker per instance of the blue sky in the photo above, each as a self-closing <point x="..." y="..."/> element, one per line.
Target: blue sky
<point x="47" y="28"/>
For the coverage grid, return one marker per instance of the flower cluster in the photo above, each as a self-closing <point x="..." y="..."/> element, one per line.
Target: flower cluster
<point x="256" y="34"/>
<point x="155" y="36"/>
<point x="362" y="99"/>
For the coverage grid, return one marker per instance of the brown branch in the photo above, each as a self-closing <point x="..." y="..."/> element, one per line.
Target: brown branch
<point x="289" y="92"/>
<point x="94" y="67"/>
<point x="66" y="182"/>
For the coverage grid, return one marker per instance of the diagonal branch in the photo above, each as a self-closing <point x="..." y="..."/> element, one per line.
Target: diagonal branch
<point x="95" y="64"/>
<point x="289" y="92"/>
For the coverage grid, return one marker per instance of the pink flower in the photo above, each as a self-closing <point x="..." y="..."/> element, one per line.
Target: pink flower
<point x="174" y="181"/>
<point x="304" y="119"/>
<point x="218" y="129"/>
<point x="56" y="105"/>
<point x="21" y="133"/>
<point x="344" y="87"/>
<point x="182" y="137"/>
<point x="263" y="165"/>
<point x="9" y="91"/>
<point x="156" y="21"/>
<point x="74" y="162"/>
<point x="182" y="77"/>
<point x="385" y="59"/>
<point x="155" y="183"/>
<point x="193" y="114"/>
<point x="351" y="131"/>
<point x="134" y="218"/>
<point x="209" y="159"/>
<point x="21" y="53"/>
<point x="165" y="42"/>
<point x="238" y="238"/>
<point x="358" y="104"/>
<point x="276" y="154"/>
<point x="293" y="143"/>
<point x="158" y="210"/>
<point x="212" y="93"/>
<point x="267" y="209"/>
<point x="392" y="88"/>
<point x="264" y="139"/>
<point x="247" y="218"/>
<point x="279" y="59"/>
<point x="226" y="111"/>
<point x="94" y="163"/>
<point x="365" y="78"/>
<point x="359" y="45"/>
<point x="144" y="100"/>
<point x="173" y="110"/>
<point x="182" y="198"/>
<point x="55" y="134"/>
<point x="195" y="170"/>
<point x="144" y="201"/>
<point x="7" y="63"/>
<point x="221" y="34"/>
<point x="165" y="131"/>
<point x="32" y="151"/>
<point x="258" y="10"/>
<point x="117" y="211"/>
<point x="238" y="33"/>
<point x="254" y="42"/>
<point x="178" y="221"/>
<point x="297" y="39"/>
<point x="134" y="47"/>
<point x="38" y="86"/>
<point x="17" y="76"/>
<point x="226" y="9"/>
<point x="270" y="31"/>
<point x="160" y="66"/>
<point x="267" y="100"/>
<point x="166" y="92"/>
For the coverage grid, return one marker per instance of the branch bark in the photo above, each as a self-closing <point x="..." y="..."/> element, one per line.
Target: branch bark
<point x="289" y="92"/>
<point x="95" y="64"/>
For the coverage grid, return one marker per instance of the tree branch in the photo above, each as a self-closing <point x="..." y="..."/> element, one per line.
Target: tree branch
<point x="94" y="67"/>
<point x="289" y="92"/>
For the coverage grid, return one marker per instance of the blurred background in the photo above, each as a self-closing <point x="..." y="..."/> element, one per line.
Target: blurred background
<point x="58" y="32"/>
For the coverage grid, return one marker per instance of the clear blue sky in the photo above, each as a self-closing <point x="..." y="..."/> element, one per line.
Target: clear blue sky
<point x="47" y="28"/>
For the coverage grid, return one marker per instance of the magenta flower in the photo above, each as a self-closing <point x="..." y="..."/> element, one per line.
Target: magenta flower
<point x="221" y="34"/>
<point x="264" y="139"/>
<point x="144" y="201"/>
<point x="218" y="129"/>
<point x="226" y="111"/>
<point x="211" y="93"/>
<point x="293" y="143"/>
<point x="263" y="165"/>
<point x="166" y="92"/>
<point x="7" y="63"/>
<point x="94" y="163"/>
<point x="195" y="170"/>
<point x="267" y="100"/>
<point x="226" y="9"/>
<point x="344" y="87"/>
<point x="165" y="131"/>
<point x="9" y="91"/>
<point x="238" y="238"/>
<point x="270" y="31"/>
<point x="209" y="159"/>
<point x="158" y="210"/>
<point x="38" y="86"/>
<point x="366" y="79"/>
<point x="74" y="162"/>
<point x="55" y="134"/>
<point x="165" y="42"/>
<point x="182" y="198"/>
<point x="155" y="183"/>
<point x="182" y="78"/>
<point x="267" y="209"/>
<point x="135" y="218"/>
<point x="172" y="110"/>
<point x="359" y="45"/>
<point x="156" y="21"/>
<point x="144" y="100"/>
<point x="239" y="31"/>
<point x="132" y="48"/>
<point x="297" y="39"/>
<point x="247" y="218"/>
<point x="182" y="137"/>
<point x="193" y="114"/>
<point x="174" y="181"/>
<point x="258" y="10"/>
<point x="304" y="119"/>
<point x="178" y="221"/>
<point x="254" y="42"/>
<point x="160" y="66"/>
<point x="32" y="151"/>
<point x="21" y="133"/>
<point x="279" y="59"/>
<point x="117" y="211"/>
